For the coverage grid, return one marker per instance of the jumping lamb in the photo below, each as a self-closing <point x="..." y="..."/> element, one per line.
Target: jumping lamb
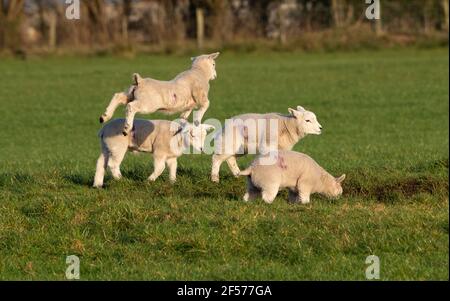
<point x="186" y="92"/>
<point x="243" y="136"/>
<point x="166" y="140"/>
<point x="296" y="171"/>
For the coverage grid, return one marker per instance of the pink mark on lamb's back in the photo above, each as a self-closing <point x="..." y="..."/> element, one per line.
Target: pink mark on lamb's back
<point x="244" y="131"/>
<point x="281" y="162"/>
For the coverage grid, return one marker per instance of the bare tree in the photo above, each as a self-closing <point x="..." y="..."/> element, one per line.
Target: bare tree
<point x="48" y="15"/>
<point x="337" y="9"/>
<point x="427" y="16"/>
<point x="445" y="9"/>
<point x="97" y="19"/>
<point x="126" y="11"/>
<point x="10" y="20"/>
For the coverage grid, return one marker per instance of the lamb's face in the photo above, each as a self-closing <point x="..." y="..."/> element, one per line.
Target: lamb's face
<point x="196" y="135"/>
<point x="336" y="189"/>
<point x="207" y="62"/>
<point x="306" y="121"/>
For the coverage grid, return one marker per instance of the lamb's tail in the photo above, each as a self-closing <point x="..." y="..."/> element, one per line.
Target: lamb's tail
<point x="246" y="172"/>
<point x="137" y="79"/>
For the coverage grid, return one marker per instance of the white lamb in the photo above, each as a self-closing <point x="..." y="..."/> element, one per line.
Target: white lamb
<point x="166" y="140"/>
<point x="237" y="139"/>
<point x="293" y="170"/>
<point x="188" y="91"/>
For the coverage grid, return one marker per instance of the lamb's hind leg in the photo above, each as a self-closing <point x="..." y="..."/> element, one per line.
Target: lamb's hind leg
<point x="269" y="192"/>
<point x="252" y="191"/>
<point x="137" y="106"/>
<point x="118" y="99"/>
<point x="115" y="159"/>
<point x="102" y="163"/>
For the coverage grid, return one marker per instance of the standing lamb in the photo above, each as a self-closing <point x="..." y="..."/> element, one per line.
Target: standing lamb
<point x="166" y="140"/>
<point x="188" y="91"/>
<point x="293" y="170"/>
<point x="239" y="139"/>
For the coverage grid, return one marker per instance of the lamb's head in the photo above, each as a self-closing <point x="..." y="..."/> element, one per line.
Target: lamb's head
<point x="195" y="135"/>
<point x="207" y="63"/>
<point x="306" y="121"/>
<point x="334" y="186"/>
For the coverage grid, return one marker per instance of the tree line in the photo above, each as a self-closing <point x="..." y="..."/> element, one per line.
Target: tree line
<point x="105" y="24"/>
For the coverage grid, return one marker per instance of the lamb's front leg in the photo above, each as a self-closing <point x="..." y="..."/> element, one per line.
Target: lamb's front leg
<point x="303" y="195"/>
<point x="118" y="99"/>
<point x="185" y="115"/>
<point x="131" y="110"/>
<point x="303" y="192"/>
<point x="172" y="164"/>
<point x="269" y="195"/>
<point x="159" y="166"/>
<point x="198" y="115"/>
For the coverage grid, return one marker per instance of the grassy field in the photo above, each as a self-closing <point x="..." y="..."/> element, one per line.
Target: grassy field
<point x="385" y="116"/>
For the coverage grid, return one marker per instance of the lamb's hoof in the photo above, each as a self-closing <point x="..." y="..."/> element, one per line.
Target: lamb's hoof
<point x="246" y="197"/>
<point x="97" y="186"/>
<point x="101" y="119"/>
<point x="215" y="179"/>
<point x="304" y="202"/>
<point x="124" y="133"/>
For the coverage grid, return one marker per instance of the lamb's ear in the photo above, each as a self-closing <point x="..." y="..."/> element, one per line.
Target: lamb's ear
<point x="340" y="179"/>
<point x="176" y="131"/>
<point x="214" y="55"/>
<point x="295" y="113"/>
<point x="179" y="126"/>
<point x="291" y="111"/>
<point x="186" y="127"/>
<point x="208" y="127"/>
<point x="301" y="109"/>
<point x="137" y="79"/>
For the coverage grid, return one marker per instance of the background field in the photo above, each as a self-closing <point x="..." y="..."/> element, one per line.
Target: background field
<point x="385" y="118"/>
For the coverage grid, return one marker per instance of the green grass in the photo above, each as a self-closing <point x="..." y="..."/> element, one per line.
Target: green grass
<point x="385" y="116"/>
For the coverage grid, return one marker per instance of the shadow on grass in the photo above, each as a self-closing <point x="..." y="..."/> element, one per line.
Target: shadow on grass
<point x="195" y="183"/>
<point x="77" y="179"/>
<point x="10" y="179"/>
<point x="394" y="189"/>
<point x="190" y="184"/>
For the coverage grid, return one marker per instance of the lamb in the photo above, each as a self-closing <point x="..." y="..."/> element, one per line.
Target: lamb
<point x="166" y="140"/>
<point x="186" y="92"/>
<point x="239" y="139"/>
<point x="293" y="170"/>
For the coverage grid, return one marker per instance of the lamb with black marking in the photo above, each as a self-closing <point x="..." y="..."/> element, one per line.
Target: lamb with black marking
<point x="166" y="140"/>
<point x="288" y="169"/>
